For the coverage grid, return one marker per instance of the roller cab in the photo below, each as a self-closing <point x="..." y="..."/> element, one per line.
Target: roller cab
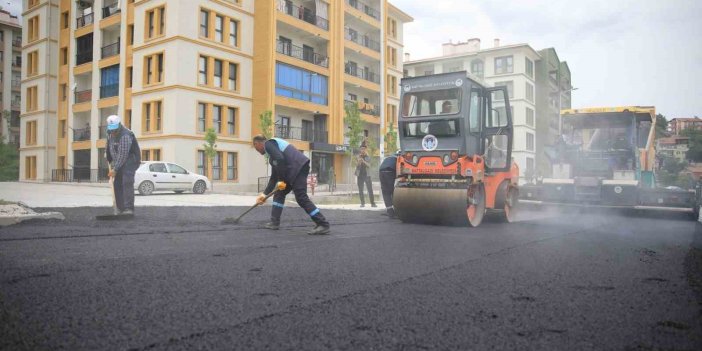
<point x="456" y="141"/>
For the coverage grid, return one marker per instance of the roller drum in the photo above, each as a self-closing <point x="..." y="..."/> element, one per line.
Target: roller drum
<point x="431" y="206"/>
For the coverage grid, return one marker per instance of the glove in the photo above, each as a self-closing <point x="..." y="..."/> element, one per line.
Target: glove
<point x="261" y="199"/>
<point x="281" y="185"/>
<point x="111" y="173"/>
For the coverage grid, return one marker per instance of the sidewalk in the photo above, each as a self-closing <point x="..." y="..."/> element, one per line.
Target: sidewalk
<point x="93" y="195"/>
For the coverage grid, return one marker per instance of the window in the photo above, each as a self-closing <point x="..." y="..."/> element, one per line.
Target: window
<point x="153" y="69"/>
<point x="217" y="118"/>
<point x="529" y="167"/>
<point x="64" y="56"/>
<point x="62" y="129"/>
<point x="32" y="95"/>
<point x="155" y="23"/>
<point x="201" y="163"/>
<point x="477" y="68"/>
<point x="219" y="28"/>
<point x="392" y="28"/>
<point x="431" y="103"/>
<point x="391" y="57"/>
<point x="530" y="141"/>
<point x="391" y="114"/>
<point x="109" y="81"/>
<point x="217" y="166"/>
<point x="30" y="167"/>
<point x="232" y="169"/>
<point x="300" y="84"/>
<point x="32" y="63"/>
<point x="64" y="20"/>
<point x="127" y="118"/>
<point x="231" y="121"/>
<point x="32" y="3"/>
<point x="201" y="117"/>
<point x="529" y="117"/>
<point x="529" y="67"/>
<point x="510" y="87"/>
<point x="504" y="65"/>
<point x="220" y="69"/>
<point x="529" y="92"/>
<point x="204" y="23"/>
<point x="64" y="92"/>
<point x="30" y="133"/>
<point x="175" y="169"/>
<point x="33" y="28"/>
<point x="130" y="34"/>
<point x="153" y="117"/>
<point x="130" y="76"/>
<point x="154" y="167"/>
<point x="233" y="33"/>
<point x="203" y="71"/>
<point x="392" y="85"/>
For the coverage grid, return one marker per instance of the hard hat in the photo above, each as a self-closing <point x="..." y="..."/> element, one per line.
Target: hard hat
<point x="113" y="122"/>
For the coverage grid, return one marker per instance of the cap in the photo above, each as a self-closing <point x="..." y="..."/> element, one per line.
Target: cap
<point x="113" y="122"/>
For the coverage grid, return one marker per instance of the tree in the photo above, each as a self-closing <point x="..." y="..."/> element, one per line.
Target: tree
<point x="265" y="123"/>
<point x="210" y="146"/>
<point x="391" y="140"/>
<point x="694" y="152"/>
<point x="354" y="133"/>
<point x="661" y="126"/>
<point x="9" y="162"/>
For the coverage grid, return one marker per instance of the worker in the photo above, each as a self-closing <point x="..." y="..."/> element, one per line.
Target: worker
<point x="290" y="170"/>
<point x="388" y="172"/>
<point x="363" y="163"/>
<point x="446" y="107"/>
<point x="124" y="156"/>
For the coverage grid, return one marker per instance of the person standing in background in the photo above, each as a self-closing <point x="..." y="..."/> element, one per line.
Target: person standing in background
<point x="363" y="164"/>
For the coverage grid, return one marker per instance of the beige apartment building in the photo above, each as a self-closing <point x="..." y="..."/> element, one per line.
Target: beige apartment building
<point x="174" y="68"/>
<point x="10" y="66"/>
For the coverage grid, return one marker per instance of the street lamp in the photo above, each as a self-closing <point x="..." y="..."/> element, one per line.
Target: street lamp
<point x="560" y="116"/>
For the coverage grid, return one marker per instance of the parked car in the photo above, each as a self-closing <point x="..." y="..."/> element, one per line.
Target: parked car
<point x="156" y="176"/>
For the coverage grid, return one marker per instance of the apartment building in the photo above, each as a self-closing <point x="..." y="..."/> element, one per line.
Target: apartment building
<point x="10" y="67"/>
<point x="673" y="147"/>
<point x="316" y="57"/>
<point x="677" y="125"/>
<point x="175" y="68"/>
<point x="517" y="67"/>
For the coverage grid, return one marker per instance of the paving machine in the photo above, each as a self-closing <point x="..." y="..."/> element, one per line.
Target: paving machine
<point x="606" y="158"/>
<point x="455" y="139"/>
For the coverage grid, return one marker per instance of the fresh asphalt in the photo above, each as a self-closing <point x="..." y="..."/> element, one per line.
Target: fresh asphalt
<point x="175" y="279"/>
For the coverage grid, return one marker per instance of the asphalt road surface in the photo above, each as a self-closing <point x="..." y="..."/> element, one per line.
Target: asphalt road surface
<point x="175" y="279"/>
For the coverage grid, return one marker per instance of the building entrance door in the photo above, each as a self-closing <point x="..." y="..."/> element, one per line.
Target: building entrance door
<point x="322" y="164"/>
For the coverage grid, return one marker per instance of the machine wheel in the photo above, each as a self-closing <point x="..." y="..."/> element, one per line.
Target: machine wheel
<point x="146" y="188"/>
<point x="476" y="205"/>
<point x="199" y="187"/>
<point x="510" y="208"/>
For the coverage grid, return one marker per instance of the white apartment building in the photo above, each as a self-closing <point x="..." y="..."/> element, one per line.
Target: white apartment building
<point x="10" y="66"/>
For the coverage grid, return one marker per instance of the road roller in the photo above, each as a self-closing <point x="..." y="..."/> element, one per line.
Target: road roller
<point x="455" y="137"/>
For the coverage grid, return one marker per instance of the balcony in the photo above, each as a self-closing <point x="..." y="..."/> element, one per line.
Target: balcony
<point x="82" y="134"/>
<point x="110" y="10"/>
<point x="370" y="11"/>
<point x="366" y="108"/>
<point x="297" y="52"/>
<point x="15" y="105"/>
<point x="17" y="42"/>
<point x="103" y="132"/>
<point x="16" y="84"/>
<point x="109" y="90"/>
<point x="83" y="96"/>
<point x="110" y="50"/>
<point x="305" y="14"/>
<point x="17" y="64"/>
<point x="363" y="40"/>
<point x="362" y="73"/>
<point x="298" y="133"/>
<point x="85" y="20"/>
<point x="84" y="57"/>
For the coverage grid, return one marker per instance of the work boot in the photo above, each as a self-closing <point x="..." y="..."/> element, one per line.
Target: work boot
<point x="363" y="205"/>
<point x="374" y="205"/>
<point x="272" y="225"/>
<point x="116" y="211"/>
<point x="319" y="230"/>
<point x="128" y="212"/>
<point x="391" y="212"/>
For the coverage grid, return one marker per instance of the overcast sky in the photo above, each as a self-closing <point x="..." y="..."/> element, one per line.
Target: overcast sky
<point x="620" y="52"/>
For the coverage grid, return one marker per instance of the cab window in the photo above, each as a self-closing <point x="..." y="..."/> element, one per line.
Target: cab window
<point x="431" y="103"/>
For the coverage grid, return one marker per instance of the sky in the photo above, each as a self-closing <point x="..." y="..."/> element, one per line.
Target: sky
<point x="620" y="52"/>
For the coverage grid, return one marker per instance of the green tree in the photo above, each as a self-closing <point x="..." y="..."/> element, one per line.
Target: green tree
<point x="9" y="162"/>
<point x="661" y="126"/>
<point x="391" y="140"/>
<point x="265" y="123"/>
<point x="694" y="152"/>
<point x="354" y="133"/>
<point x="210" y="146"/>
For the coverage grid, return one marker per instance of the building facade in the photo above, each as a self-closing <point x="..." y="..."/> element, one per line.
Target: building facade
<point x="172" y="76"/>
<point x="673" y="147"/>
<point x="10" y="79"/>
<point x="677" y="125"/>
<point x="519" y="68"/>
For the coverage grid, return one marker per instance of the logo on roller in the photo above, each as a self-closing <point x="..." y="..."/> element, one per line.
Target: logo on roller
<point x="429" y="143"/>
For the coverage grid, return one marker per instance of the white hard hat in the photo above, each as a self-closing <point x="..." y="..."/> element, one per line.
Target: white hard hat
<point x="113" y="122"/>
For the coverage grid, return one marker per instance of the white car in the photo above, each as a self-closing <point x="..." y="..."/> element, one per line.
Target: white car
<point x="155" y="176"/>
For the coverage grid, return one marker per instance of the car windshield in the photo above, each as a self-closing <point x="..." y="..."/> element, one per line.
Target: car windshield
<point x="431" y="103"/>
<point x="435" y="128"/>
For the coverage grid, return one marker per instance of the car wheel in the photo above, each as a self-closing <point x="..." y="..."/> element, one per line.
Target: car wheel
<point x="178" y="191"/>
<point x="146" y="188"/>
<point x="199" y="187"/>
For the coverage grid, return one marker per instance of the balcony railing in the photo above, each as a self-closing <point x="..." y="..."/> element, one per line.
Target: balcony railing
<point x="81" y="134"/>
<point x="362" y="40"/>
<point x="305" y="14"/>
<point x="85" y="20"/>
<point x="15" y="105"/>
<point x="109" y="90"/>
<point x="110" y="10"/>
<point x="16" y="84"/>
<point x="17" y="64"/>
<point x="110" y="50"/>
<point x="370" y="11"/>
<point x="362" y="73"/>
<point x="17" y="42"/>
<point x="80" y="174"/>
<point x="83" y="96"/>
<point x="299" y="133"/>
<point x="297" y="52"/>
<point x="363" y="107"/>
<point x="84" y="57"/>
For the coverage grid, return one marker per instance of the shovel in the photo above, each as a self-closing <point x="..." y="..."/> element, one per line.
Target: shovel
<point x="114" y="206"/>
<point x="232" y="220"/>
